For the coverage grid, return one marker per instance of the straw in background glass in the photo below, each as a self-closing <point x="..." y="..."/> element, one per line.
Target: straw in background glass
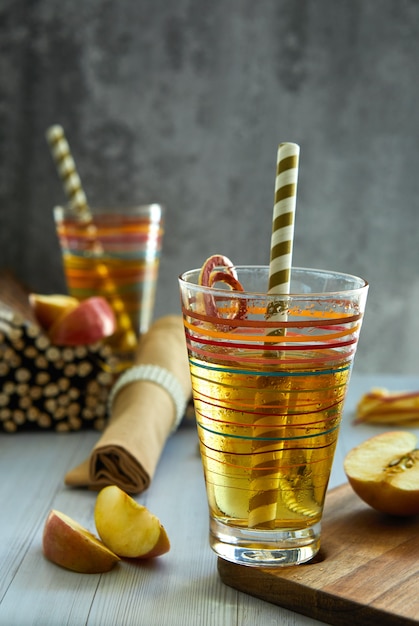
<point x="67" y="171"/>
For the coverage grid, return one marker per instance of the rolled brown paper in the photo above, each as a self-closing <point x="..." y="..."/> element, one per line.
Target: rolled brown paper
<point x="142" y="418"/>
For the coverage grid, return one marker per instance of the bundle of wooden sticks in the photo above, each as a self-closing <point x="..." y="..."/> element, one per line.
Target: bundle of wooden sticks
<point x="43" y="386"/>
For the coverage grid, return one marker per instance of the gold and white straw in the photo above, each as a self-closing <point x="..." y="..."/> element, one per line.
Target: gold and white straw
<point x="283" y="218"/>
<point x="67" y="171"/>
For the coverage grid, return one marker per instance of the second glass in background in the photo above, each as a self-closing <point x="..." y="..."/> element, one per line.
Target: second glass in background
<point x="115" y="255"/>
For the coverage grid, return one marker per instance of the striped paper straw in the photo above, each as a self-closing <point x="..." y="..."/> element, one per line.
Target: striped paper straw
<point x="67" y="171"/>
<point x="262" y="509"/>
<point x="283" y="218"/>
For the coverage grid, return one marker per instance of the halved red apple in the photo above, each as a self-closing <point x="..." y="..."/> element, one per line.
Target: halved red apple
<point x="213" y="262"/>
<point x="384" y="472"/>
<point x="91" y="320"/>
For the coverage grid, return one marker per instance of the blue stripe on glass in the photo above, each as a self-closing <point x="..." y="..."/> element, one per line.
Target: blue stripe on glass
<point x="231" y="436"/>
<point x="233" y="370"/>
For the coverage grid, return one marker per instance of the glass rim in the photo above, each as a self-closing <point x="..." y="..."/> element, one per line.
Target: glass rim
<point x="363" y="286"/>
<point x="123" y="209"/>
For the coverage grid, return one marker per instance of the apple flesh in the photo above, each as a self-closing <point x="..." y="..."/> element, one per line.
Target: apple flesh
<point x="384" y="472"/>
<point x="49" y="308"/>
<point x="68" y="544"/>
<point x="91" y="320"/>
<point x="129" y="529"/>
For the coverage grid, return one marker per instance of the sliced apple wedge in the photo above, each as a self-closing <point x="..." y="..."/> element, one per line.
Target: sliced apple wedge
<point x="384" y="472"/>
<point x="68" y="544"/>
<point x="128" y="528"/>
<point x="91" y="320"/>
<point x="49" y="308"/>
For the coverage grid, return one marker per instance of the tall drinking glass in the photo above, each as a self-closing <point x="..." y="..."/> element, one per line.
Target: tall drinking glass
<point x="116" y="255"/>
<point x="269" y="376"/>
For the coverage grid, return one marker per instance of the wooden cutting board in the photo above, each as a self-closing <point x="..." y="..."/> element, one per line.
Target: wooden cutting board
<point x="367" y="571"/>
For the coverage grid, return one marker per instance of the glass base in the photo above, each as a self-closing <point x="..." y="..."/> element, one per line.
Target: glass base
<point x="264" y="548"/>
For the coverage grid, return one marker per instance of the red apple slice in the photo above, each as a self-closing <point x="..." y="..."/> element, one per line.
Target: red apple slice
<point x="68" y="544"/>
<point x="384" y="472"/>
<point x="49" y="308"/>
<point x="92" y="320"/>
<point x="381" y="406"/>
<point x="127" y="527"/>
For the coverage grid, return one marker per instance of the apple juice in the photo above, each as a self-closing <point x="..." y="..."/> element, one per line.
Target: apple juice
<point x="267" y="438"/>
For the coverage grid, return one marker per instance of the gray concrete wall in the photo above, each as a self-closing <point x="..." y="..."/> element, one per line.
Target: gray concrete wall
<point x="185" y="102"/>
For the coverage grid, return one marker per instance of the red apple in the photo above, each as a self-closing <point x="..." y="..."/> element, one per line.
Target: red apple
<point x="128" y="528"/>
<point x="91" y="320"/>
<point x="68" y="544"/>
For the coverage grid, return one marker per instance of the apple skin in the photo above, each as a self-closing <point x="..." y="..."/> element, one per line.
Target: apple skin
<point x="49" y="308"/>
<point x="219" y="268"/>
<point x="214" y="261"/>
<point x="68" y="544"/>
<point x="129" y="529"/>
<point x="91" y="320"/>
<point x="384" y="472"/>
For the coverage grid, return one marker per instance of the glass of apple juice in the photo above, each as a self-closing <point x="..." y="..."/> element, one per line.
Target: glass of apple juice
<point x="268" y="392"/>
<point x="114" y="254"/>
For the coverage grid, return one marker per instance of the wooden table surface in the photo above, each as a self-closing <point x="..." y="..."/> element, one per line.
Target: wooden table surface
<point x="181" y="588"/>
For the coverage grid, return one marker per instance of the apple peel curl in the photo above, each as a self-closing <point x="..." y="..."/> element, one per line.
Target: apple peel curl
<point x="219" y="269"/>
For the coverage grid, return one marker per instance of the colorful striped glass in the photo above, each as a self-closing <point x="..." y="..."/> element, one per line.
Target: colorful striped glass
<point x="268" y="406"/>
<point x="116" y="255"/>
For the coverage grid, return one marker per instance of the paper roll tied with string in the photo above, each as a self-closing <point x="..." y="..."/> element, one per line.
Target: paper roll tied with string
<point x="144" y="413"/>
<point x="262" y="508"/>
